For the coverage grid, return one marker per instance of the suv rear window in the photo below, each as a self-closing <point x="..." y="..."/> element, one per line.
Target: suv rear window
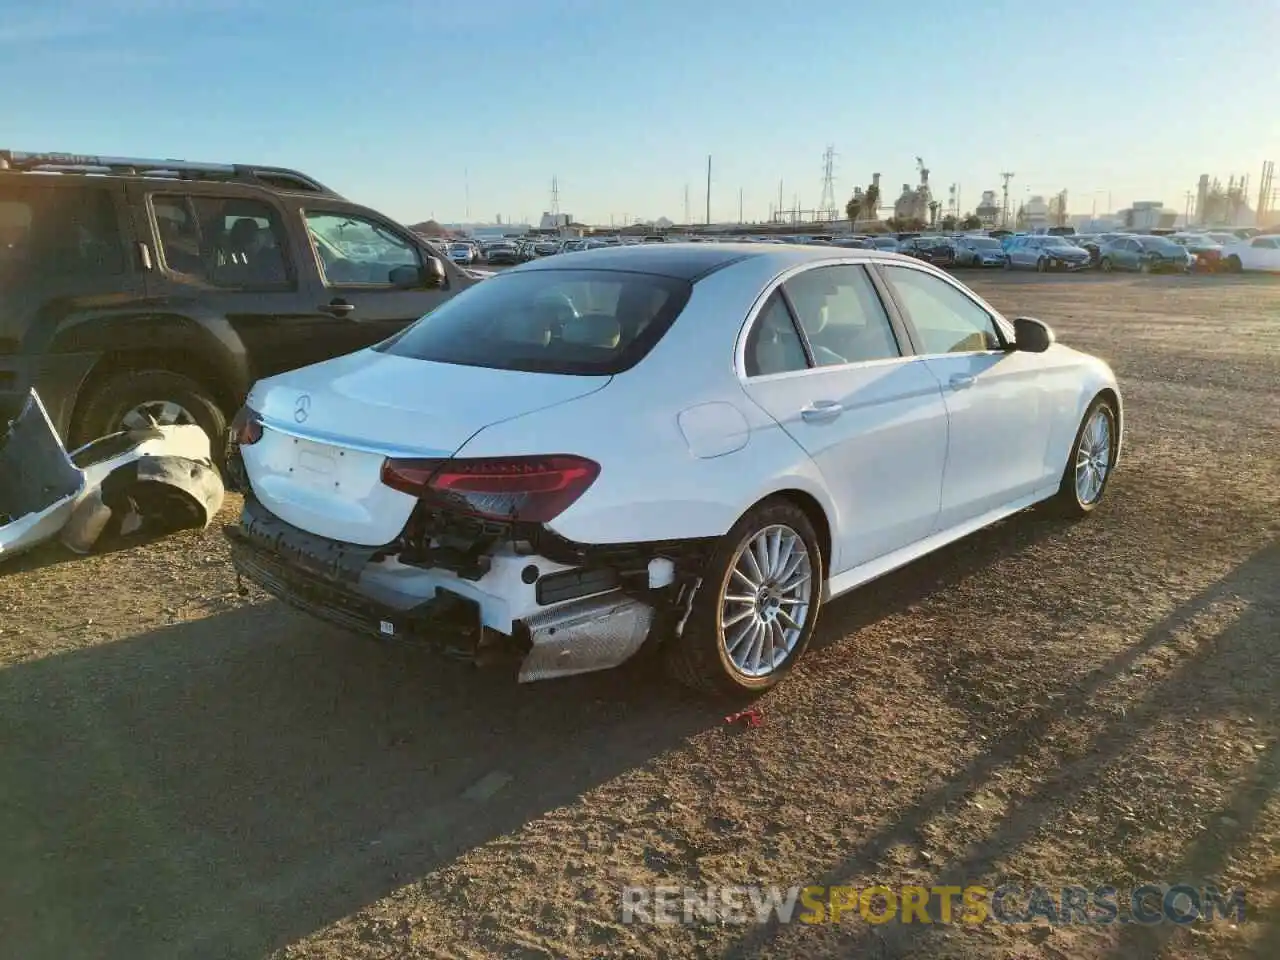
<point x="588" y="322"/>
<point x="51" y="232"/>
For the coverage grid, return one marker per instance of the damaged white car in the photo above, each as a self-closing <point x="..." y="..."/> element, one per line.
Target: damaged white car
<point x="694" y="446"/>
<point x="147" y="482"/>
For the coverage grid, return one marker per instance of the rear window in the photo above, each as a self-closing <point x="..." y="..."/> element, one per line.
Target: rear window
<point x="587" y="322"/>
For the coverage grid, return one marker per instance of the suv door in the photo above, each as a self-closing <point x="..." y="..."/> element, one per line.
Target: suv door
<point x="843" y="384"/>
<point x="225" y="266"/>
<point x="999" y="403"/>
<point x="355" y="254"/>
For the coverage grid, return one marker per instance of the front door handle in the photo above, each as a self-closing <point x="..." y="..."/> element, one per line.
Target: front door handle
<point x="821" y="411"/>
<point x="961" y="381"/>
<point x="337" y="308"/>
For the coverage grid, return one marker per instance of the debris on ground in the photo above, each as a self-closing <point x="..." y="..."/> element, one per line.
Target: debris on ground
<point x="750" y="717"/>
<point x="141" y="483"/>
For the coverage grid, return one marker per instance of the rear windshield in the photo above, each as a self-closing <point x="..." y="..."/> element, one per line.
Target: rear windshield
<point x="588" y="322"/>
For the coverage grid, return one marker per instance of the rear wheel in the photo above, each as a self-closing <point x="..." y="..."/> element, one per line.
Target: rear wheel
<point x="757" y="606"/>
<point x="1106" y="265"/>
<point x="131" y="399"/>
<point x="1233" y="264"/>
<point x="1144" y="267"/>
<point x="1042" y="265"/>
<point x="1093" y="454"/>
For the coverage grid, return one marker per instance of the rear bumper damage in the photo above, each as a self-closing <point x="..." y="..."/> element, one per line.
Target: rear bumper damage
<point x="557" y="607"/>
<point x="151" y="481"/>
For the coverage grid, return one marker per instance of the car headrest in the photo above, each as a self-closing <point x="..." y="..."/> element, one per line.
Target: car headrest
<point x="593" y="330"/>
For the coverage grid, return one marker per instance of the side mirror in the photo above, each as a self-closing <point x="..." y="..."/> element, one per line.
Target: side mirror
<point x="433" y="274"/>
<point x="430" y="275"/>
<point x="1032" y="336"/>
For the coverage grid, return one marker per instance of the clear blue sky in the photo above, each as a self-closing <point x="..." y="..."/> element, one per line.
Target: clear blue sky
<point x="404" y="105"/>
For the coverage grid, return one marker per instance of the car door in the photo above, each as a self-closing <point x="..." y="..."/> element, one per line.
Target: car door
<point x="824" y="360"/>
<point x="1263" y="253"/>
<point x="355" y="255"/>
<point x="1130" y="254"/>
<point x="999" y="403"/>
<point x="224" y="258"/>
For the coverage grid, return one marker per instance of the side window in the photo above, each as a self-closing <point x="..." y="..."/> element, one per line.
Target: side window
<point x="353" y="249"/>
<point x="946" y="320"/>
<point x="1265" y="243"/>
<point x="50" y="232"/>
<point x="842" y="316"/>
<point x="774" y="344"/>
<point x="223" y="242"/>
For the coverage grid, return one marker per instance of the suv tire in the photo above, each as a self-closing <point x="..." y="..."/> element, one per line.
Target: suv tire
<point x="103" y="407"/>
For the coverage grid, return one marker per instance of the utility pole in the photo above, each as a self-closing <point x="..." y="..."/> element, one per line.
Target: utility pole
<point x="686" y="204"/>
<point x="827" y="202"/>
<point x="466" y="181"/>
<point x="779" y="201"/>
<point x="740" y="205"/>
<point x="708" y="189"/>
<point x="1004" y="209"/>
<point x="1186" y="217"/>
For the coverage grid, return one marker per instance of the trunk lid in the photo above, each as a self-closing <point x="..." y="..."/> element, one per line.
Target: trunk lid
<point x="328" y="428"/>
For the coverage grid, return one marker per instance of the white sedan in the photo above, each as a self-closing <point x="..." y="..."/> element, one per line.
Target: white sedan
<point x="1255" y="253"/>
<point x="689" y="445"/>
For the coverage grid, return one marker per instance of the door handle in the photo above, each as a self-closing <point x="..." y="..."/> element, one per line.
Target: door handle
<point x="337" y="308"/>
<point x="961" y="381"/>
<point x="821" y="411"/>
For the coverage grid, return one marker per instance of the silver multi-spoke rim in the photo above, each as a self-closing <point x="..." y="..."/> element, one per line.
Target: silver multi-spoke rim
<point x="766" y="600"/>
<point x="1093" y="458"/>
<point x="160" y="413"/>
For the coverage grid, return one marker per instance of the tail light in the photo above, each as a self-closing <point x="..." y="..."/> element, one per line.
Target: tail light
<point x="520" y="489"/>
<point x="246" y="428"/>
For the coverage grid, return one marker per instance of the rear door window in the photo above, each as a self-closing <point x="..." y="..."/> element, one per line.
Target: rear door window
<point x="222" y="241"/>
<point x="550" y="321"/>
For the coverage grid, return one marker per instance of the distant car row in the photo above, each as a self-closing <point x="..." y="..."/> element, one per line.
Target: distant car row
<point x="1209" y="251"/>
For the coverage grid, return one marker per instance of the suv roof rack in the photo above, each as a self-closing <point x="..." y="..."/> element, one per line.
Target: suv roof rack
<point x="276" y="178"/>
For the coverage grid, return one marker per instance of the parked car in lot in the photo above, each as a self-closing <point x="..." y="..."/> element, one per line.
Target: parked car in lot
<point x="979" y="252"/>
<point x="1145" y="254"/>
<point x="1260" y="253"/>
<point x="940" y="251"/>
<point x="688" y="445"/>
<point x="1207" y="252"/>
<point x="501" y="253"/>
<point x="1045" y="253"/>
<point x="462" y="252"/>
<point x="134" y="289"/>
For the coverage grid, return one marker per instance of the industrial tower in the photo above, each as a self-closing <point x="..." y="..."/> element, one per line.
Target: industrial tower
<point x="1004" y="208"/>
<point x="827" y="205"/>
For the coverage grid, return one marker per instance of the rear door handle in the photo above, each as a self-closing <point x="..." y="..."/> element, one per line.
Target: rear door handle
<point x="961" y="381"/>
<point x="338" y="308"/>
<point x="821" y="411"/>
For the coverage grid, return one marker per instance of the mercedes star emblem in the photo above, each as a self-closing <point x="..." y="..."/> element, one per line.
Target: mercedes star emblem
<point x="302" y="409"/>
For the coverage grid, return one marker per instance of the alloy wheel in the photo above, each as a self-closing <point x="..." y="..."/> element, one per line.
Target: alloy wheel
<point x="766" y="601"/>
<point x="159" y="413"/>
<point x="1093" y="457"/>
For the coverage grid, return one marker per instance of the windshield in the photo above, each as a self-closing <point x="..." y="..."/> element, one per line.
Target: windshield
<point x="983" y="243"/>
<point x="1054" y="241"/>
<point x="1162" y="244"/>
<point x="590" y="322"/>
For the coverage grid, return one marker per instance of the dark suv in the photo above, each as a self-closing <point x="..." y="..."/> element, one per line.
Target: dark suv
<point x="135" y="288"/>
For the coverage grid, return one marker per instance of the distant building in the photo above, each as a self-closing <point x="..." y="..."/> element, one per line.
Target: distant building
<point x="555" y="221"/>
<point x="988" y="211"/>
<point x="1147" y="215"/>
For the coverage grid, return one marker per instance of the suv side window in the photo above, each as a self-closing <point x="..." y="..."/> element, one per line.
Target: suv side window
<point x="946" y="320"/>
<point x="841" y="315"/>
<point x="774" y="344"/>
<point x="356" y="250"/>
<point x="224" y="242"/>
<point x="46" y="231"/>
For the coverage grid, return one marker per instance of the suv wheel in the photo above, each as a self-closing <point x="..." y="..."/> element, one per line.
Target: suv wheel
<point x="126" y="399"/>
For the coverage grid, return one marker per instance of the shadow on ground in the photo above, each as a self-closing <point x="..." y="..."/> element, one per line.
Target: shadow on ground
<point x="1243" y="649"/>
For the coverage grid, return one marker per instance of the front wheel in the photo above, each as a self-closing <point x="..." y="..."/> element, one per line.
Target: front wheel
<point x="1144" y="267"/>
<point x="756" y="608"/>
<point x="1093" y="454"/>
<point x="1233" y="264"/>
<point x="1107" y="265"/>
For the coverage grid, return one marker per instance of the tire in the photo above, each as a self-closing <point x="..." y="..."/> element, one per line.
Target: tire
<point x="1233" y="264"/>
<point x="1069" y="501"/>
<point x="1107" y="265"/>
<point x="1042" y="265"/>
<point x="1144" y="267"/>
<point x="698" y="658"/>
<point x="103" y="408"/>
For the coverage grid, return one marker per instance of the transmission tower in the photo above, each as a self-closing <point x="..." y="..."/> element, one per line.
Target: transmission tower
<point x="555" y="197"/>
<point x="1265" y="192"/>
<point x="828" y="202"/>
<point x="1004" y="208"/>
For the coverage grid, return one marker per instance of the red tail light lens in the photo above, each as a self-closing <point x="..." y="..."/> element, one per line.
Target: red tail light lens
<point x="526" y="489"/>
<point x="246" y="428"/>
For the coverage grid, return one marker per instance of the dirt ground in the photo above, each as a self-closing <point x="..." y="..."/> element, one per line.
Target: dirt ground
<point x="188" y="774"/>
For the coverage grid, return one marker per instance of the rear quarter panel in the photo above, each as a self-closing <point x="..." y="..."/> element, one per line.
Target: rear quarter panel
<point x="655" y="482"/>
